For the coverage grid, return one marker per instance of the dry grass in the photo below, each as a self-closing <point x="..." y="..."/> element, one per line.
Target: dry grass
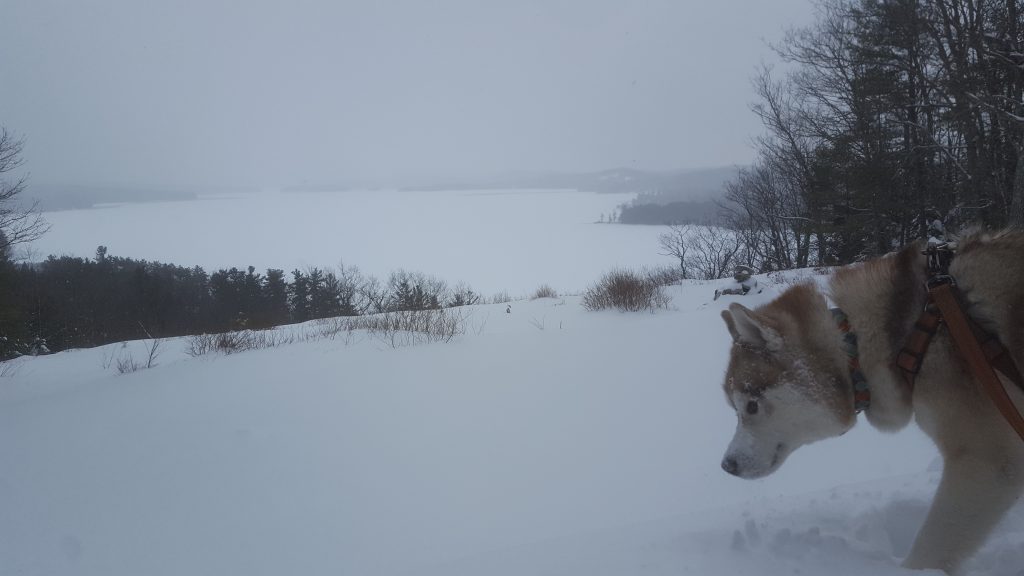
<point x="411" y="327"/>
<point x="239" y="341"/>
<point x="502" y="297"/>
<point x="126" y="364"/>
<point x="395" y="328"/>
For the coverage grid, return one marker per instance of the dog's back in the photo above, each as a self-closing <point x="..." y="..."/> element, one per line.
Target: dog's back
<point x="989" y="269"/>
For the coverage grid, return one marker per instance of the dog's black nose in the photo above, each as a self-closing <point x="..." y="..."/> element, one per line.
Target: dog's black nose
<point x="730" y="465"/>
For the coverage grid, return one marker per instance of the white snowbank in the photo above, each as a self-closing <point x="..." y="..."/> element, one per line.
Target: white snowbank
<point x="545" y="441"/>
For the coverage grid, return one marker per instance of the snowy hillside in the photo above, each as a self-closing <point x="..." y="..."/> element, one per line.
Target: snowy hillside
<point x="547" y="440"/>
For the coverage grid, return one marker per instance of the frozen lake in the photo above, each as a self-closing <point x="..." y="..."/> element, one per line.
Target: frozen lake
<point x="510" y="240"/>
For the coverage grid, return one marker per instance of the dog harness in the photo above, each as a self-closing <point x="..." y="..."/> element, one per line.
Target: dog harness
<point x="982" y="351"/>
<point x="861" y="391"/>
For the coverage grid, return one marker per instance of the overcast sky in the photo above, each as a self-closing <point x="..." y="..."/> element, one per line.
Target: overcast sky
<point x="182" y="93"/>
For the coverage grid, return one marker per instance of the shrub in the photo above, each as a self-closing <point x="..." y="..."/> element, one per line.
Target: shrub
<point x="412" y="326"/>
<point x="625" y="290"/>
<point x="544" y="291"/>
<point x="200" y="344"/>
<point x="239" y="341"/>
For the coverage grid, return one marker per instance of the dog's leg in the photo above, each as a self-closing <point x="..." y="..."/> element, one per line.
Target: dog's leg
<point x="974" y="493"/>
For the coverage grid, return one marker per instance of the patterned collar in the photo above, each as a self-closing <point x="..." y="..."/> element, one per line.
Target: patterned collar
<point x="861" y="392"/>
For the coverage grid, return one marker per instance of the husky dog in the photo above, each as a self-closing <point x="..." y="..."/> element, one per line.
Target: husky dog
<point x="789" y="381"/>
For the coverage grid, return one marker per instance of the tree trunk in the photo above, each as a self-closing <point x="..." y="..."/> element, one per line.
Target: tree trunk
<point x="1016" y="216"/>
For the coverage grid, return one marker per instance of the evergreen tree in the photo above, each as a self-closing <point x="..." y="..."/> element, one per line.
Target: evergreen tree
<point x="275" y="296"/>
<point x="300" y="297"/>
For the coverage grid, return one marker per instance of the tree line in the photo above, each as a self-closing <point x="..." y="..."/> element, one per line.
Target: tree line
<point x="891" y="114"/>
<point x="678" y="212"/>
<point x="71" y="302"/>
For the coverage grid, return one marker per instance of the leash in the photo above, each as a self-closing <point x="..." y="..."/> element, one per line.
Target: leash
<point x="983" y="352"/>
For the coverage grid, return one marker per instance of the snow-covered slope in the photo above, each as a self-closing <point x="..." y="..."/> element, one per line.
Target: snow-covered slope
<point x="548" y="440"/>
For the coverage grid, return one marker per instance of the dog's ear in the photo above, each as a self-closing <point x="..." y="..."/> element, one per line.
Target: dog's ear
<point x="748" y="329"/>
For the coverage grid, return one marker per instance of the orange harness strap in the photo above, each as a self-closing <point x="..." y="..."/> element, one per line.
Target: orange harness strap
<point x="965" y="337"/>
<point x="984" y="352"/>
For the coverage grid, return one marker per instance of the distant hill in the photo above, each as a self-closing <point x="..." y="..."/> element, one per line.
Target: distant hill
<point x="685" y="197"/>
<point x="662" y="197"/>
<point x="652" y="186"/>
<point x="52" y="197"/>
<point x="688" y="185"/>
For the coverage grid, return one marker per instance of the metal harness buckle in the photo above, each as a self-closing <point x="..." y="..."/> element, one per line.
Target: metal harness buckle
<point x="939" y="255"/>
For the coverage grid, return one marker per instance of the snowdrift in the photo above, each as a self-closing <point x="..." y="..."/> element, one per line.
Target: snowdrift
<point x="545" y="440"/>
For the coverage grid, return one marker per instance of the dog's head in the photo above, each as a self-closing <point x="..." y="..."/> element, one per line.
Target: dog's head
<point x="785" y="381"/>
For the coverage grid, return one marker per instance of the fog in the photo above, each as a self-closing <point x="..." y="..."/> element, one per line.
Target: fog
<point x="190" y="93"/>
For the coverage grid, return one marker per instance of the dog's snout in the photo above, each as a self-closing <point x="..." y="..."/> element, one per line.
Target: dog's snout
<point x="730" y="465"/>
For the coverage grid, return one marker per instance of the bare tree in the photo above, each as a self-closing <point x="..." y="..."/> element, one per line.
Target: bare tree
<point x="674" y="243"/>
<point x="355" y="291"/>
<point x="704" y="252"/>
<point x="762" y="212"/>
<point x="713" y="252"/>
<point x="18" y="224"/>
<point x="374" y="295"/>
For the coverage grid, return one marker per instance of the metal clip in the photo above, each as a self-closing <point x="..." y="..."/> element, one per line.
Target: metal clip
<point x="939" y="255"/>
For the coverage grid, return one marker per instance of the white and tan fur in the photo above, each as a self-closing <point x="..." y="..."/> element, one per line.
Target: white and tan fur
<point x="787" y="359"/>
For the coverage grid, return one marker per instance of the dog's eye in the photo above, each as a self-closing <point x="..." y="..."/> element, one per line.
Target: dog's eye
<point x="752" y="407"/>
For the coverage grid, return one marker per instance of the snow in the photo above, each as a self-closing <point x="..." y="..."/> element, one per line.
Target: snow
<point x="549" y="440"/>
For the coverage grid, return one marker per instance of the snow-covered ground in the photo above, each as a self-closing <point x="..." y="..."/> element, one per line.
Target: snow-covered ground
<point x="494" y="240"/>
<point x="548" y="440"/>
